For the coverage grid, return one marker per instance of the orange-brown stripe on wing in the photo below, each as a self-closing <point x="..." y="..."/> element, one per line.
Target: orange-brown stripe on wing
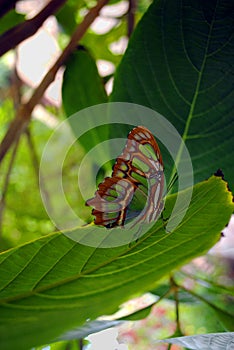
<point x="111" y="200"/>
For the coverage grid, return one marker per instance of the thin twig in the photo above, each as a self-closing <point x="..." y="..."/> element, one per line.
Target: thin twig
<point x="169" y="346"/>
<point x="22" y="31"/>
<point x="178" y="328"/>
<point x="175" y="289"/>
<point x="80" y="344"/>
<point x="131" y="16"/>
<point x="16" y="84"/>
<point x="23" y="115"/>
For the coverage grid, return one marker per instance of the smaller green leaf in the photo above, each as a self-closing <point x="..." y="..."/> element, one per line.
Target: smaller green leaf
<point x="82" y="88"/>
<point x="82" y="85"/>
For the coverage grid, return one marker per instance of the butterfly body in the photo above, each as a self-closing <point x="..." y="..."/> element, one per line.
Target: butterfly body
<point x="135" y="188"/>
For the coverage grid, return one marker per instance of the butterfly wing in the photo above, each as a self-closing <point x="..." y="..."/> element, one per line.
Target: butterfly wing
<point x="141" y="158"/>
<point x="135" y="188"/>
<point x="111" y="201"/>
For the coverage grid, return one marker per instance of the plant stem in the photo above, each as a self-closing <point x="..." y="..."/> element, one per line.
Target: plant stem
<point x="175" y="288"/>
<point x="80" y="344"/>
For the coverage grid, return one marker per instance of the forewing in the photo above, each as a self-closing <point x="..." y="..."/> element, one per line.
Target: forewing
<point x="111" y="200"/>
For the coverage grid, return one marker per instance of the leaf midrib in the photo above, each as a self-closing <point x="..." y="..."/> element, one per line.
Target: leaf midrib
<point x="194" y="99"/>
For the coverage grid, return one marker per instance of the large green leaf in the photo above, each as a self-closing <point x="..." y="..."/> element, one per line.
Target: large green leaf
<point x="54" y="284"/>
<point x="179" y="62"/>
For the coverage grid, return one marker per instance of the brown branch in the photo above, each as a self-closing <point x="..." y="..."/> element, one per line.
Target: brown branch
<point x="23" y="115"/>
<point x="22" y="31"/>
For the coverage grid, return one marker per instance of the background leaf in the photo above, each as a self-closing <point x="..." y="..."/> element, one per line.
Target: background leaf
<point x="54" y="284"/>
<point x="179" y="62"/>
<point x="102" y="50"/>
<point x="82" y="88"/>
<point x="82" y="85"/>
<point x="67" y="15"/>
<point x="11" y="19"/>
<point x="212" y="341"/>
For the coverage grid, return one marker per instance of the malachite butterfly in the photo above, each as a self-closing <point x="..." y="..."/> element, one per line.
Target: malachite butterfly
<point x="135" y="188"/>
